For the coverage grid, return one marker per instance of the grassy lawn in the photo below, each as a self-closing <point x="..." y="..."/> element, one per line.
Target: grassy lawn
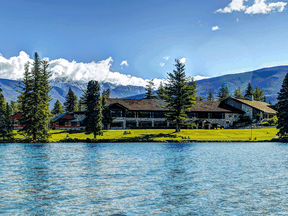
<point x="265" y="134"/>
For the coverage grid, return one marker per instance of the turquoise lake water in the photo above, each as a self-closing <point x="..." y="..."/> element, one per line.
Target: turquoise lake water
<point x="144" y="179"/>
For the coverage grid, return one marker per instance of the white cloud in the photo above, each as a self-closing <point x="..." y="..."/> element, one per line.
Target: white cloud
<point x="182" y="60"/>
<point x="198" y="77"/>
<point x="260" y="7"/>
<point x="161" y="64"/>
<point x="235" y="5"/>
<point x="13" y="68"/>
<point x="124" y="63"/>
<point x="214" y="28"/>
<point x="166" y="57"/>
<point x="237" y="20"/>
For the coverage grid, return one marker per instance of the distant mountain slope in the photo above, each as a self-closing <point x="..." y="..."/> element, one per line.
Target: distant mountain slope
<point x="269" y="79"/>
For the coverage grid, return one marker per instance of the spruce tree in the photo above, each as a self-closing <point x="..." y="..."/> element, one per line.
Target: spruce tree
<point x="107" y="93"/>
<point x="264" y="99"/>
<point x="238" y="93"/>
<point x="58" y="108"/>
<point x="34" y="99"/>
<point x="210" y="96"/>
<point x="181" y="95"/>
<point x="81" y="104"/>
<point x="106" y="114"/>
<point x="282" y="105"/>
<point x="161" y="91"/>
<point x="199" y="98"/>
<point x="150" y="87"/>
<point x="14" y="107"/>
<point x="223" y="93"/>
<point x="71" y="101"/>
<point x="249" y="92"/>
<point x="8" y="133"/>
<point x="2" y="114"/>
<point x="94" y="108"/>
<point x="258" y="94"/>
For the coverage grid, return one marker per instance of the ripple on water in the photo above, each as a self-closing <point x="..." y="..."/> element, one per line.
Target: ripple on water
<point x="144" y="178"/>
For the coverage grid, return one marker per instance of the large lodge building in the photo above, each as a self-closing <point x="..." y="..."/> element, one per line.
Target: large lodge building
<point x="146" y="113"/>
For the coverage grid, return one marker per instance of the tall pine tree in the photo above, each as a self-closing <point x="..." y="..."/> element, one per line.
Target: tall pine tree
<point x="34" y="100"/>
<point x="58" y="108"/>
<point x="181" y="96"/>
<point x="106" y="114"/>
<point x="249" y="93"/>
<point x="94" y="108"/>
<point x="8" y="133"/>
<point x="71" y="101"/>
<point x="282" y="105"/>
<point x="210" y="96"/>
<point x="2" y="114"/>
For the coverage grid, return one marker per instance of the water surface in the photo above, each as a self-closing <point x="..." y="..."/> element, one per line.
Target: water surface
<point x="144" y="179"/>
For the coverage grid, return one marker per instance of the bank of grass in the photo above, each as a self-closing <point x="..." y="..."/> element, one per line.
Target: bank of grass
<point x="161" y="135"/>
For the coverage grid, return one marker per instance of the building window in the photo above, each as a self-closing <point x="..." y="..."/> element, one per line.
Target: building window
<point x="192" y="115"/>
<point x="130" y="114"/>
<point x="159" y="114"/>
<point x="217" y="115"/>
<point x="203" y="115"/>
<point x="143" y="114"/>
<point x="116" y="113"/>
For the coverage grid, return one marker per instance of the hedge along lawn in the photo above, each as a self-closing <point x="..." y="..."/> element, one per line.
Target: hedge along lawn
<point x="264" y="134"/>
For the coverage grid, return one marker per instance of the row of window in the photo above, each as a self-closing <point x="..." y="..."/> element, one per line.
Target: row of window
<point x="131" y="114"/>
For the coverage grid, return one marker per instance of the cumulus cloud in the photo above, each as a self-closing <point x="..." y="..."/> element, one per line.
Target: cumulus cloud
<point x="124" y="63"/>
<point x="161" y="64"/>
<point x="13" y="68"/>
<point x="260" y="7"/>
<point x="235" y="5"/>
<point x="214" y="28"/>
<point x="182" y="60"/>
<point x="166" y="57"/>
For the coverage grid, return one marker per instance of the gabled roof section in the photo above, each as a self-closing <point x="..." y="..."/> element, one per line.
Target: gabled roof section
<point x="16" y="116"/>
<point x="214" y="106"/>
<point x="156" y="105"/>
<point x="139" y="104"/>
<point x="262" y="106"/>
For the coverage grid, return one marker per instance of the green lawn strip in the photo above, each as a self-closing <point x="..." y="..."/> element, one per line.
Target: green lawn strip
<point x="167" y="135"/>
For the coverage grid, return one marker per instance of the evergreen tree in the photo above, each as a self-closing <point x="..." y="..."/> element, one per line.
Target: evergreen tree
<point x="107" y="93"/>
<point x="34" y="99"/>
<point x="282" y="105"/>
<point x="107" y="117"/>
<point x="181" y="95"/>
<point x="249" y="92"/>
<point x="2" y="114"/>
<point x="58" y="108"/>
<point x="270" y="102"/>
<point x="223" y="93"/>
<point x="149" y="90"/>
<point x="94" y="108"/>
<point x="14" y="107"/>
<point x="258" y="95"/>
<point x="265" y="99"/>
<point x="71" y="101"/>
<point x="210" y="96"/>
<point x="238" y="93"/>
<point x="8" y="133"/>
<point x="81" y="104"/>
<point x="161" y="91"/>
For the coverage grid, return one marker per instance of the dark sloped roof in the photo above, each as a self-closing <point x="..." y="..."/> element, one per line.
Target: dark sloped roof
<point x="155" y="105"/>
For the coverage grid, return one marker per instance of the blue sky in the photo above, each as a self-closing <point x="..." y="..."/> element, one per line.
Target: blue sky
<point x="249" y="34"/>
